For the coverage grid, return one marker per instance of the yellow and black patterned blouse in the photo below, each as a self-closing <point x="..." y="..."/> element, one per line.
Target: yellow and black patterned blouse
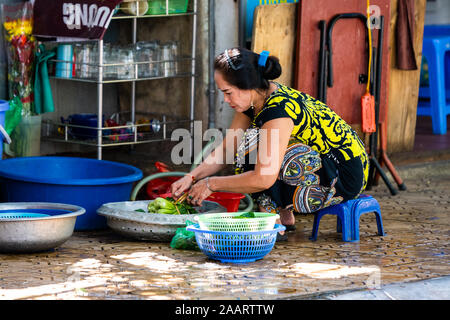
<point x="315" y="125"/>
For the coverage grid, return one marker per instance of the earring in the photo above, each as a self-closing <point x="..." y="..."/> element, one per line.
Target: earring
<point x="252" y="106"/>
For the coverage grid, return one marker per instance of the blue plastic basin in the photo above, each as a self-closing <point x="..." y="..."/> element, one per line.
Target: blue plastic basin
<point x="87" y="183"/>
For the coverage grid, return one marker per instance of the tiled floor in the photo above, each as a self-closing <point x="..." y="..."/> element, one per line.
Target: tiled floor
<point x="102" y="265"/>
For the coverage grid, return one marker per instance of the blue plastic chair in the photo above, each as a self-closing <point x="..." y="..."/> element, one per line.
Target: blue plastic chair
<point x="348" y="214"/>
<point x="436" y="50"/>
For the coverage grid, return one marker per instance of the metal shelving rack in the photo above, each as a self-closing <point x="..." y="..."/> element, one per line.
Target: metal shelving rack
<point x="135" y="137"/>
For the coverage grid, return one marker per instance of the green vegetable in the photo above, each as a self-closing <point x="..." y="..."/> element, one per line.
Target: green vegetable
<point x="151" y="208"/>
<point x="164" y="204"/>
<point x="168" y="206"/>
<point x="167" y="211"/>
<point x="139" y="210"/>
<point x="245" y="215"/>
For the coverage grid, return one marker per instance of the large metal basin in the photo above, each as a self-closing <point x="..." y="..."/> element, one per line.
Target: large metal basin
<point x="36" y="234"/>
<point x="123" y="219"/>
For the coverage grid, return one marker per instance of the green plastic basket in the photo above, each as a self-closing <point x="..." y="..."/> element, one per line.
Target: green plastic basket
<point x="226" y="222"/>
<point x="158" y="7"/>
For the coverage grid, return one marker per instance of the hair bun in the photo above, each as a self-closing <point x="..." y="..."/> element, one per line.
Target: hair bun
<point x="272" y="70"/>
<point x="240" y="67"/>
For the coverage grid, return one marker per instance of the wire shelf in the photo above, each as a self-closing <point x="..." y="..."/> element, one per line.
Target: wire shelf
<point x="126" y="72"/>
<point x="148" y="128"/>
<point x="127" y="16"/>
<point x="144" y="60"/>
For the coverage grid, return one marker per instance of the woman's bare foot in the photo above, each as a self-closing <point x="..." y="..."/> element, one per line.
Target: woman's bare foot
<point x="262" y="209"/>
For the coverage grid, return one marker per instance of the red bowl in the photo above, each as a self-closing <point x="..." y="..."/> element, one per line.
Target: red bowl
<point x="229" y="200"/>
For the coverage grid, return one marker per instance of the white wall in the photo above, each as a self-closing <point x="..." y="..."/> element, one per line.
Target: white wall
<point x="226" y="34"/>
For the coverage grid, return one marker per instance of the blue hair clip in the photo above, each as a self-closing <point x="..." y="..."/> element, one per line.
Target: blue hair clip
<point x="263" y="58"/>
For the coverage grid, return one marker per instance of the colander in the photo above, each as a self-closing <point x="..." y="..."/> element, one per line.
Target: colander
<point x="236" y="247"/>
<point x="228" y="221"/>
<point x="21" y="215"/>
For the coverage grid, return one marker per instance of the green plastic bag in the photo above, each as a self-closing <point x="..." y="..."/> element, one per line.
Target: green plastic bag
<point x="14" y="115"/>
<point x="184" y="239"/>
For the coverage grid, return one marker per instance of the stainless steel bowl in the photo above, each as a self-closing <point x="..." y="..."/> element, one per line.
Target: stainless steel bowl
<point x="36" y="234"/>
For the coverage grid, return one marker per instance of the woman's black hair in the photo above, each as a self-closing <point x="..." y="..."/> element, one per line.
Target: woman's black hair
<point x="240" y="68"/>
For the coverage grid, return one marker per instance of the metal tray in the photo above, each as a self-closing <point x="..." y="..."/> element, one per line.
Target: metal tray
<point x="123" y="219"/>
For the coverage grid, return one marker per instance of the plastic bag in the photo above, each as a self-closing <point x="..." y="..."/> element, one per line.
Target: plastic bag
<point x="14" y="115"/>
<point x="184" y="239"/>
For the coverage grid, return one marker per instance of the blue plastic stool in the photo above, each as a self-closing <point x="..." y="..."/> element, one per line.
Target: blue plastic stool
<point x="436" y="44"/>
<point x="348" y="214"/>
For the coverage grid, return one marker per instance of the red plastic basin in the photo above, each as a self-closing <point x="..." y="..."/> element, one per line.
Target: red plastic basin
<point x="229" y="200"/>
<point x="155" y="188"/>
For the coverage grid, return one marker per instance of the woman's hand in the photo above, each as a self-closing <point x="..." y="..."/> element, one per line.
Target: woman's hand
<point x="181" y="185"/>
<point x="199" y="192"/>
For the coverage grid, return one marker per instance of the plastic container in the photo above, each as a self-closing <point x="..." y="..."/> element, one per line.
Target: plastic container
<point x="85" y="120"/>
<point x="64" y="52"/>
<point x="87" y="183"/>
<point x="229" y="200"/>
<point x="26" y="138"/>
<point x="235" y="247"/>
<point x="157" y="7"/>
<point x="132" y="9"/>
<point x="228" y="222"/>
<point x="4" y="106"/>
<point x="160" y="187"/>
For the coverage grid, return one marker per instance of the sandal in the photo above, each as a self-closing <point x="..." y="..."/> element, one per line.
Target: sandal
<point x="282" y="237"/>
<point x="290" y="227"/>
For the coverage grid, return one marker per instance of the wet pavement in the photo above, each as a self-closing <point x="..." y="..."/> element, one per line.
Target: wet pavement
<point x="414" y="251"/>
<point x="431" y="289"/>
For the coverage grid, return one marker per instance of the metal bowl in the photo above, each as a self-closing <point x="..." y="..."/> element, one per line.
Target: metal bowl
<point x="32" y="234"/>
<point x="123" y="219"/>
